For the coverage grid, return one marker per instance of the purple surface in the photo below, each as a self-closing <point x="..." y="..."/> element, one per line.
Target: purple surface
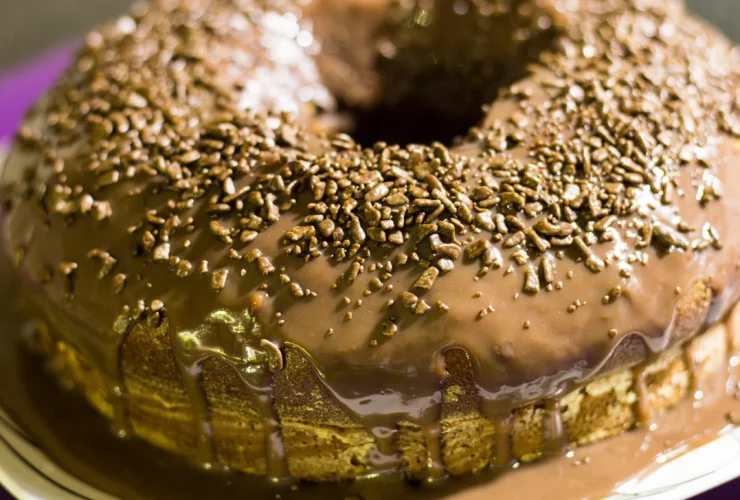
<point x="22" y="86"/>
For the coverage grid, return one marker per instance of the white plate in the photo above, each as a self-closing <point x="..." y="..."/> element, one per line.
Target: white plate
<point x="28" y="474"/>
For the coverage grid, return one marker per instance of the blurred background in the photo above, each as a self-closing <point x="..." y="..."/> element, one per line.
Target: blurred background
<point x="29" y="27"/>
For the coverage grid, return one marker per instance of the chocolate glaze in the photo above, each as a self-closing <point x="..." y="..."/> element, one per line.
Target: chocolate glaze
<point x="526" y="347"/>
<point x="193" y="348"/>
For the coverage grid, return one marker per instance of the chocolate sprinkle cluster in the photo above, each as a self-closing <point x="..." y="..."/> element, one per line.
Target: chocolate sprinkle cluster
<point x="580" y="160"/>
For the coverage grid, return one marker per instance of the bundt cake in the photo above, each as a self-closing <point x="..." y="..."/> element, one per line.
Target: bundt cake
<point x="280" y="236"/>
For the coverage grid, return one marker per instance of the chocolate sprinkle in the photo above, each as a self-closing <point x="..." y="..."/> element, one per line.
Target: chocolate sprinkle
<point x="427" y="279"/>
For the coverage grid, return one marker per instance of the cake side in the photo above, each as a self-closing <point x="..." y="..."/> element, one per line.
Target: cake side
<point x="323" y="443"/>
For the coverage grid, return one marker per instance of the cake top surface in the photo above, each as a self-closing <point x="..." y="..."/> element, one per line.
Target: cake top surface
<point x="594" y="197"/>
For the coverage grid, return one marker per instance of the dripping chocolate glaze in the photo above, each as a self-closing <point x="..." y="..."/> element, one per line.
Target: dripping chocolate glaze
<point x="595" y="196"/>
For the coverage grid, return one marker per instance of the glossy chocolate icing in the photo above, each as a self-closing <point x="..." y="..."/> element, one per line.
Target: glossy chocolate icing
<point x="613" y="302"/>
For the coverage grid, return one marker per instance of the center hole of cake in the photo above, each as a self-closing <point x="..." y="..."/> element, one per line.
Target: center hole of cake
<point x="410" y="122"/>
<point x="428" y="72"/>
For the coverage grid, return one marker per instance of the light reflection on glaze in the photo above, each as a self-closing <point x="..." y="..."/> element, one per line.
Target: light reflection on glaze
<point x="240" y="348"/>
<point x="288" y="50"/>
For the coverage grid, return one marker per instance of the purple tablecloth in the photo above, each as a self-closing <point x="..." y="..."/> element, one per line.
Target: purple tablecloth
<point x="21" y="87"/>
